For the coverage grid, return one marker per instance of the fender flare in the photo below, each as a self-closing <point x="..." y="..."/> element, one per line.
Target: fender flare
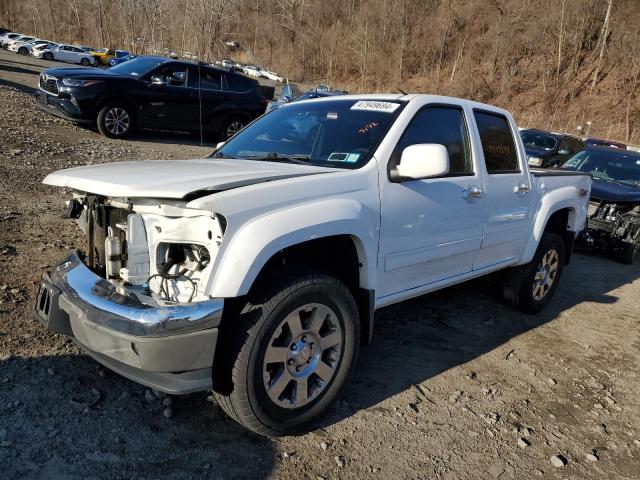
<point x="246" y="251"/>
<point x="560" y="199"/>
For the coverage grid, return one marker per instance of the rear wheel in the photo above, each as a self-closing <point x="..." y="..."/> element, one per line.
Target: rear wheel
<point x="231" y="126"/>
<point x="530" y="287"/>
<point x="85" y="62"/>
<point x="23" y="51"/>
<point x="115" y="120"/>
<point x="294" y="344"/>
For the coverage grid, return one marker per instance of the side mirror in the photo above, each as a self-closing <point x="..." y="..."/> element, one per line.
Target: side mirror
<point x="423" y="160"/>
<point x="157" y="80"/>
<point x="220" y="145"/>
<point x="564" y="151"/>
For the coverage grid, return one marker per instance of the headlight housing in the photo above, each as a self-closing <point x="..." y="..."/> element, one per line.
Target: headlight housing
<point x="534" y="161"/>
<point x="76" y="82"/>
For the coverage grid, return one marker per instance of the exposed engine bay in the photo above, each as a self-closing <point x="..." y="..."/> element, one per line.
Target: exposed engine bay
<point x="159" y="249"/>
<point x="614" y="227"/>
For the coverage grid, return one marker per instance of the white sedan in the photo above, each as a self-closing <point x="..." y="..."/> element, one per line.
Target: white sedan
<point x="252" y="71"/>
<point x="44" y="51"/>
<point x="25" y="48"/>
<point x="271" y="75"/>
<point x="10" y="45"/>
<point x="72" y="54"/>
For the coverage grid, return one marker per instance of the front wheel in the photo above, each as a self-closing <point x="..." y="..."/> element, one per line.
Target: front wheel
<point x="23" y="51"/>
<point x="629" y="252"/>
<point x="530" y="287"/>
<point x="115" y="120"/>
<point x="48" y="56"/>
<point x="294" y="345"/>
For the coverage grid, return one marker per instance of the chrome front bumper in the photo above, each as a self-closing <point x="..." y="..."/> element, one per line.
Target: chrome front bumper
<point x="130" y="333"/>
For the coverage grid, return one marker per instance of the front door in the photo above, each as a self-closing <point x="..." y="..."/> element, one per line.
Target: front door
<point x="507" y="190"/>
<point x="167" y="104"/>
<point x="431" y="229"/>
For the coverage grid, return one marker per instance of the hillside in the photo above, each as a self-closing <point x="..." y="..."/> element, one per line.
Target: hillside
<point x="555" y="64"/>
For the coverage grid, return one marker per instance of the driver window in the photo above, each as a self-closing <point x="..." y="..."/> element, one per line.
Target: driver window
<point x="445" y="126"/>
<point x="175" y="76"/>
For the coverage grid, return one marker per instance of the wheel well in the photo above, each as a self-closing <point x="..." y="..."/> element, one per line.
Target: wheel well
<point x="123" y="100"/>
<point x="558" y="223"/>
<point x="336" y="256"/>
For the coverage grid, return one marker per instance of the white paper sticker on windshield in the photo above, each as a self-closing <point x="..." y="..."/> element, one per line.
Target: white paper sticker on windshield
<point x="375" y="106"/>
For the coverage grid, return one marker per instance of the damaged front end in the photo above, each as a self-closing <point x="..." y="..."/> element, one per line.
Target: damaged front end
<point x="136" y="297"/>
<point x="614" y="227"/>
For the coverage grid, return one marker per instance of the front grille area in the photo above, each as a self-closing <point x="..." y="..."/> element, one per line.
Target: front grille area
<point x="49" y="84"/>
<point x="103" y="218"/>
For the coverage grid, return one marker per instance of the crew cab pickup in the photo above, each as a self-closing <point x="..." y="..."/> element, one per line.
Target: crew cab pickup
<point x="256" y="272"/>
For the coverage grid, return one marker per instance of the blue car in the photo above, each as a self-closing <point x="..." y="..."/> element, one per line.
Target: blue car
<point x="116" y="60"/>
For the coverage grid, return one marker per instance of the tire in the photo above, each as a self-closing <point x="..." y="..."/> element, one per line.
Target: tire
<point x="23" y="51"/>
<point x="115" y="120"/>
<point x="300" y="370"/>
<point x="47" y="56"/>
<point x="529" y="287"/>
<point x="231" y="126"/>
<point x="629" y="253"/>
<point x="85" y="62"/>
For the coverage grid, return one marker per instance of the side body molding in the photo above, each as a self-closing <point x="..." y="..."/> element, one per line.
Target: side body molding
<point x="245" y="252"/>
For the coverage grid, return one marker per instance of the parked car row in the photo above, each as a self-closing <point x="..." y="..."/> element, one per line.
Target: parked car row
<point x="251" y="70"/>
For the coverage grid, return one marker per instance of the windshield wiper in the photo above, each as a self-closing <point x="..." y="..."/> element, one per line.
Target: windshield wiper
<point x="277" y="157"/>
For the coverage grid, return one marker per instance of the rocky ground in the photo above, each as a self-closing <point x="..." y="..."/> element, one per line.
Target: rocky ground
<point x="455" y="385"/>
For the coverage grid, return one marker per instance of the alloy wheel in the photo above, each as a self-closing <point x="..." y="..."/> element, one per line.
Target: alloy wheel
<point x="546" y="274"/>
<point x="302" y="355"/>
<point x="233" y="128"/>
<point x="117" y="121"/>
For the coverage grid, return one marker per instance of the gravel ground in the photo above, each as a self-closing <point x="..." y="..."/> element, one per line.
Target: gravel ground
<point x="455" y="385"/>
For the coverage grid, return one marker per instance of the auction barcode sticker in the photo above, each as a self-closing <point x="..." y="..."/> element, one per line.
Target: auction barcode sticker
<point x="374" y="106"/>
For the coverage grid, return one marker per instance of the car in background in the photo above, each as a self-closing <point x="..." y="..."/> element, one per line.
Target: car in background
<point x="271" y="75"/>
<point x="71" y="54"/>
<point x="26" y="48"/>
<point x="4" y="30"/>
<point x="614" y="205"/>
<point x="549" y="149"/>
<point x="44" y="51"/>
<point x="16" y="44"/>
<point x="117" y="60"/>
<point x="152" y="93"/>
<point x="22" y="39"/>
<point x="252" y="71"/>
<point x="103" y="55"/>
<point x="88" y="49"/>
<point x="287" y="95"/>
<point x="599" y="142"/>
<point x="7" y="37"/>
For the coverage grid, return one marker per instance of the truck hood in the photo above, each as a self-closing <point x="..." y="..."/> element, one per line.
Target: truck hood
<point x="175" y="179"/>
<point x="614" y="192"/>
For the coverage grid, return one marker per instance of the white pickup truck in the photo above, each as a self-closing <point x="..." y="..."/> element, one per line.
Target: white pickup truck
<point x="256" y="272"/>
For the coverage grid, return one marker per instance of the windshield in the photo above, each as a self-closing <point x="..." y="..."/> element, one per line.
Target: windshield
<point x="138" y="66"/>
<point x="606" y="165"/>
<point x="539" y="140"/>
<point x="336" y="133"/>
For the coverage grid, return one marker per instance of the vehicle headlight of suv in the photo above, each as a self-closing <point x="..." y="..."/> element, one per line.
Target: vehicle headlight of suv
<point x="75" y="82"/>
<point x="534" y="161"/>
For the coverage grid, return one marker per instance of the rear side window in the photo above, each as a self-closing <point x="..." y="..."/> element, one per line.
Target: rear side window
<point x="500" y="154"/>
<point x="445" y="126"/>
<point x="207" y="79"/>
<point x="238" y="83"/>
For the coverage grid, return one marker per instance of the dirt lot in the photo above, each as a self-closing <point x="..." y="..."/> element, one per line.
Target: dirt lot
<point x="455" y="385"/>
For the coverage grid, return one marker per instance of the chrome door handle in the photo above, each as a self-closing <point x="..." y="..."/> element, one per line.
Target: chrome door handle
<point x="472" y="193"/>
<point x="521" y="189"/>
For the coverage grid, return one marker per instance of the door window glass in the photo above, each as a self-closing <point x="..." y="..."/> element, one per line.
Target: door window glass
<point x="174" y="75"/>
<point x="500" y="154"/>
<point x="444" y="126"/>
<point x="207" y="79"/>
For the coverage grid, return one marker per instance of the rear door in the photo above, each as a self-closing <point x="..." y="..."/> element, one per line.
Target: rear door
<point x="207" y="97"/>
<point x="507" y="189"/>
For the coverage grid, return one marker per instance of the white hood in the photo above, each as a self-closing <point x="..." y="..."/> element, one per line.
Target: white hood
<point x="174" y="178"/>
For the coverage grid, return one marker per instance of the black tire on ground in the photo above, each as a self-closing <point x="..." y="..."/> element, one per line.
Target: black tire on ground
<point x="115" y="120"/>
<point x="47" y="56"/>
<point x="231" y="126"/>
<point x="85" y="62"/>
<point x="530" y="287"/>
<point x="629" y="253"/>
<point x="262" y="327"/>
<point x="23" y="51"/>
